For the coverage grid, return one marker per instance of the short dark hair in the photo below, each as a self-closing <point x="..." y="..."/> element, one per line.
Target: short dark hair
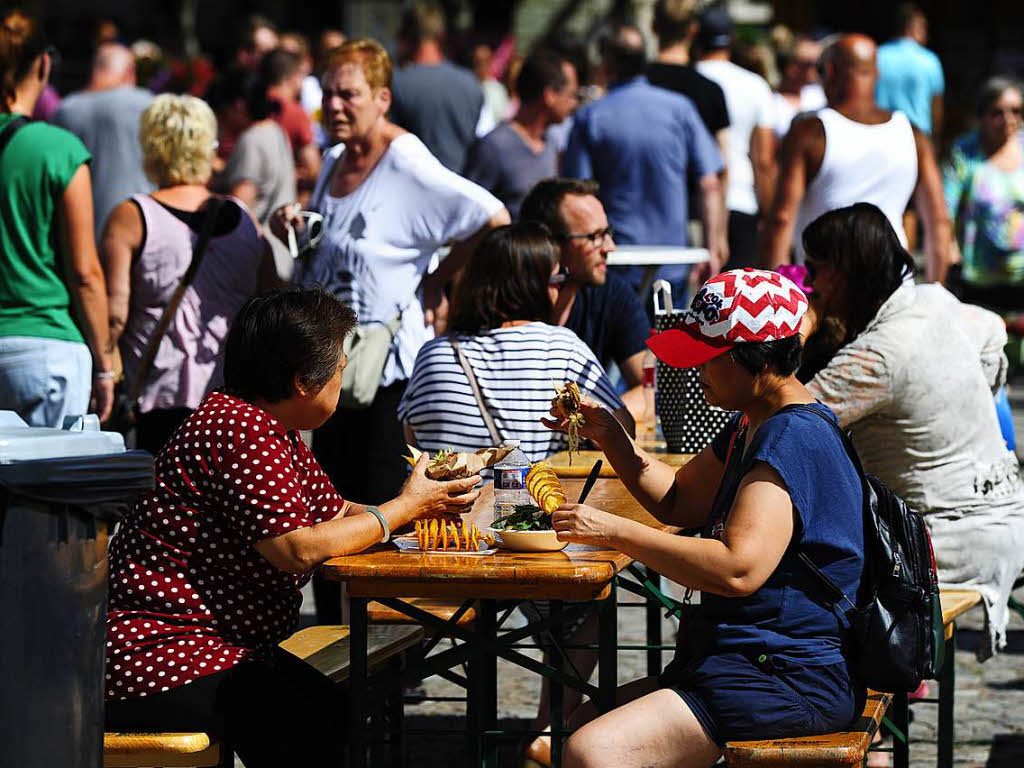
<point x="420" y="22"/>
<point x="282" y="335"/>
<point x="620" y="50"/>
<point x="781" y="357"/>
<point x="241" y="84"/>
<point x="673" y="20"/>
<point x="506" y="279"/>
<point x="247" y="33"/>
<point x="543" y="203"/>
<point x="905" y="15"/>
<point x="541" y="70"/>
<point x="992" y="89"/>
<point x="278" y="65"/>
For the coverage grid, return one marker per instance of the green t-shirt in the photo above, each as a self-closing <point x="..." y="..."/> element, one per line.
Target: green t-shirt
<point x="35" y="168"/>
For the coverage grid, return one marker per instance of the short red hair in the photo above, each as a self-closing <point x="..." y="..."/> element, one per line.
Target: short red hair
<point x="369" y="55"/>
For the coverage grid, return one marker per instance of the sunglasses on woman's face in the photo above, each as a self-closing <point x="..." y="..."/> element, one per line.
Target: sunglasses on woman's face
<point x="560" y="276"/>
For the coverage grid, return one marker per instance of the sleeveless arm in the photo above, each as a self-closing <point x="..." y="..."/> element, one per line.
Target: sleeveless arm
<point x="931" y="203"/>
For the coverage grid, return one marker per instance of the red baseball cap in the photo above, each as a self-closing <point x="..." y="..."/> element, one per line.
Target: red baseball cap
<point x="741" y="305"/>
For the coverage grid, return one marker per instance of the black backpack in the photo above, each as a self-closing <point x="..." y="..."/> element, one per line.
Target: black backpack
<point x="896" y="635"/>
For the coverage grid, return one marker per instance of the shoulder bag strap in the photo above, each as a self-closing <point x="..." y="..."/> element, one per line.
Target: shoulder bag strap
<point x="838" y="596"/>
<point x="488" y="419"/>
<point x="205" y="234"/>
<point x="10" y="129"/>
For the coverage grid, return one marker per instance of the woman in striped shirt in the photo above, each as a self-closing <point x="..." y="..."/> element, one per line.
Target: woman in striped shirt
<point x="499" y="318"/>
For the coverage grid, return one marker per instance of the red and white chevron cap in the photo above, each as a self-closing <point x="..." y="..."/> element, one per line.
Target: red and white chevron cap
<point x="742" y="305"/>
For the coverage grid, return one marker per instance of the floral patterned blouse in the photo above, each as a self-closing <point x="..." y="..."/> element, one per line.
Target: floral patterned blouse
<point x="189" y="594"/>
<point x="987" y="204"/>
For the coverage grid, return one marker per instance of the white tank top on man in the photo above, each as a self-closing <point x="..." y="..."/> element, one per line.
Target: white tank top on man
<point x="862" y="164"/>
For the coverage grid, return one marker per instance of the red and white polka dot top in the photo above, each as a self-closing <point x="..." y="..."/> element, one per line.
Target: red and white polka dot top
<point x="189" y="595"/>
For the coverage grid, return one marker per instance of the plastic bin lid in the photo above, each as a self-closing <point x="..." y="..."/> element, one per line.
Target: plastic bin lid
<point x="81" y="436"/>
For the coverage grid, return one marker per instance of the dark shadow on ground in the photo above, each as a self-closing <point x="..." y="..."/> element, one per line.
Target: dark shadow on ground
<point x="971" y="640"/>
<point x="1007" y="751"/>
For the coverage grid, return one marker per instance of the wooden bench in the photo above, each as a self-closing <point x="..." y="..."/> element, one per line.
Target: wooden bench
<point x="849" y="749"/>
<point x="442" y="609"/>
<point x="326" y="648"/>
<point x="833" y="749"/>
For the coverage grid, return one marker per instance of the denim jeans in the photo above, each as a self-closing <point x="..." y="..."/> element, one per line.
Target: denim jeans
<point x="44" y="380"/>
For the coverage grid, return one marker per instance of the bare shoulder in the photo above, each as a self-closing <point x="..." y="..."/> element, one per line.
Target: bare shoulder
<point x="125" y="222"/>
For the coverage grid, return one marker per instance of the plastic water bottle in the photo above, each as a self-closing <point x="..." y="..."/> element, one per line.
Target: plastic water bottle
<point x="510" y="480"/>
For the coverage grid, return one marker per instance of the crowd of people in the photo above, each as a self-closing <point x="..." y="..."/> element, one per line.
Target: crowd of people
<point x="387" y="255"/>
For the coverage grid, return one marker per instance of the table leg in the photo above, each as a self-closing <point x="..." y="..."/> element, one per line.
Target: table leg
<point x="396" y="716"/>
<point x="556" y="690"/>
<point x="653" y="611"/>
<point x="947" y="695"/>
<point x="357" y="682"/>
<point x="608" y="631"/>
<point x="488" y="623"/>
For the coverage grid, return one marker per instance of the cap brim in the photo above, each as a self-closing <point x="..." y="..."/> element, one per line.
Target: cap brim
<point x="681" y="349"/>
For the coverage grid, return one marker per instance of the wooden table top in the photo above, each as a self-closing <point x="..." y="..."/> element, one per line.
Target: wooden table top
<point x="584" y="461"/>
<point x="575" y="573"/>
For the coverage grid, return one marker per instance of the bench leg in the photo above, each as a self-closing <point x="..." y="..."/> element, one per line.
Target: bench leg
<point x="947" y="696"/>
<point x="900" y="712"/>
<point x="357" y="681"/>
<point x="653" y="611"/>
<point x="608" y="634"/>
<point x="394" y="706"/>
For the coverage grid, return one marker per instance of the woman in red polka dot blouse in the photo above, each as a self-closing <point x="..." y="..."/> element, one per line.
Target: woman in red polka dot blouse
<point x="205" y="571"/>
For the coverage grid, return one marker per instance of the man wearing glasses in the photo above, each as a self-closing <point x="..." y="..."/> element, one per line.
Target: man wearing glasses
<point x="601" y="308"/>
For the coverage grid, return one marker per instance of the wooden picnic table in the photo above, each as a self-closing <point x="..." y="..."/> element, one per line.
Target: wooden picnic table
<point x="584" y="461"/>
<point x="581" y="574"/>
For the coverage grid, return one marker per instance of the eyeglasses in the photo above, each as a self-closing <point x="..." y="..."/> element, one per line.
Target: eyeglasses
<point x="560" y="276"/>
<point x="596" y="237"/>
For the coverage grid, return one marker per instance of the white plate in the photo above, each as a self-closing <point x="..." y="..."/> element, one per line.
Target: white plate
<point x="412" y="546"/>
<point x="529" y="541"/>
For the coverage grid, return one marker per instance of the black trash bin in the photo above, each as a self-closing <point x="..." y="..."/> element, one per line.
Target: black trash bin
<point x="61" y="492"/>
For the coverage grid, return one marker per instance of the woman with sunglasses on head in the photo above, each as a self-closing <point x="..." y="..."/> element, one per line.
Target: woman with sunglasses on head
<point x="912" y="371"/>
<point x="984" y="186"/>
<point x="148" y="244"/>
<point x="54" y="349"/>
<point x="761" y="656"/>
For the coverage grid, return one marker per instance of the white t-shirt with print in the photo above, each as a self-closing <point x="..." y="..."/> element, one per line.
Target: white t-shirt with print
<point x="379" y="239"/>
<point x="748" y="98"/>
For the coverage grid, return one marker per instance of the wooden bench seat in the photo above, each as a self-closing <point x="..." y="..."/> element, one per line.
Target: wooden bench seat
<point x="324" y="647"/>
<point x="436" y="606"/>
<point x="833" y="749"/>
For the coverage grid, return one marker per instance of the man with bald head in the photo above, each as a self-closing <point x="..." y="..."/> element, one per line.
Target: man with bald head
<point x="105" y="116"/>
<point x="853" y="151"/>
<point x="641" y="143"/>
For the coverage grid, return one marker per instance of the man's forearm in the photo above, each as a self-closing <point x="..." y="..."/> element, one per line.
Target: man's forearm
<point x="713" y="219"/>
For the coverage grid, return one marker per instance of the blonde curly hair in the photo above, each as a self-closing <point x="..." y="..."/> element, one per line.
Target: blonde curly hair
<point x="178" y="135"/>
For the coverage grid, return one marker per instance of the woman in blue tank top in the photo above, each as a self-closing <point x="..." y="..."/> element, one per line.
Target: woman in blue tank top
<point x="761" y="657"/>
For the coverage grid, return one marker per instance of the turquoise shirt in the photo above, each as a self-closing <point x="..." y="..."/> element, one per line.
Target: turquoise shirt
<point x="909" y="75"/>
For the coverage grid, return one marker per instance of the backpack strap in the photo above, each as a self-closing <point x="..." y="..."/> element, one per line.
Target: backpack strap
<point x="831" y="587"/>
<point x="10" y="129"/>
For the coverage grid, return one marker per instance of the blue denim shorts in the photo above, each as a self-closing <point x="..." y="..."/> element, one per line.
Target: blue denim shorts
<point x="736" y="698"/>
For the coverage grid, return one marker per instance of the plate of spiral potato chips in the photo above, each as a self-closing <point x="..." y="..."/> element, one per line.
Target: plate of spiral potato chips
<point x="528" y="527"/>
<point x="446" y="537"/>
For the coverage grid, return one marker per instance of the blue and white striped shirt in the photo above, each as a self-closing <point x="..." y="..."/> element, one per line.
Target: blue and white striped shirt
<point x="516" y="368"/>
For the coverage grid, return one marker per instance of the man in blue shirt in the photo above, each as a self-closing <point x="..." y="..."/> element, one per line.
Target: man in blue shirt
<point x="909" y="75"/>
<point x="640" y="143"/>
<point x="602" y="309"/>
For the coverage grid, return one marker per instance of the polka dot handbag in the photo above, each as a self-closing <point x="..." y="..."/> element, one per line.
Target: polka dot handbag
<point x="688" y="423"/>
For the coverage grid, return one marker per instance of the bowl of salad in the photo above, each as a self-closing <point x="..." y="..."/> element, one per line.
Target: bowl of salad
<point x="526" y="529"/>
